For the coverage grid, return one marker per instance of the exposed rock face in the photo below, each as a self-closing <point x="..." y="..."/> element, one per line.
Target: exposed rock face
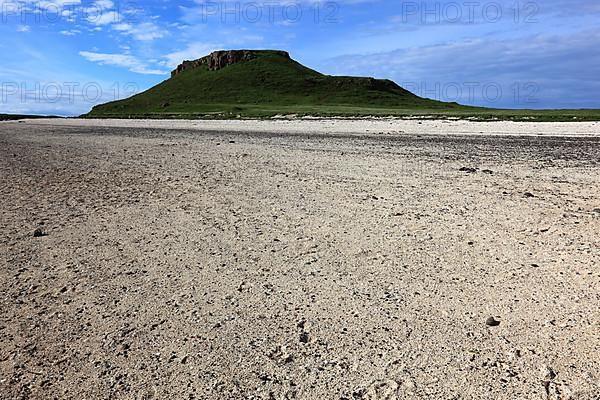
<point x="220" y="59"/>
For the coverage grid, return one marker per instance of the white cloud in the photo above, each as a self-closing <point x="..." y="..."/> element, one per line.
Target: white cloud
<point x="71" y="32"/>
<point x="54" y="6"/>
<point x="104" y="4"/>
<point x="121" y="60"/>
<point x="103" y="17"/>
<point x="192" y="52"/>
<point x="23" y="28"/>
<point x="144" y="32"/>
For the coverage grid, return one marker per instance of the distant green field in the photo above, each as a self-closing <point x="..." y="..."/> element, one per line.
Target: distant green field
<point x="271" y="85"/>
<point x="14" y="117"/>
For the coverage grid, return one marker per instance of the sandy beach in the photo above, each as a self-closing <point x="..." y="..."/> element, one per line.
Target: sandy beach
<point x="300" y="259"/>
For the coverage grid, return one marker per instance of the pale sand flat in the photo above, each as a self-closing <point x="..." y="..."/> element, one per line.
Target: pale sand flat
<point x="390" y="126"/>
<point x="193" y="263"/>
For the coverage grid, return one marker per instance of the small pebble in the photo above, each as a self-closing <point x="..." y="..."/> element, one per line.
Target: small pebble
<point x="38" y="233"/>
<point x="549" y="373"/>
<point x="304" y="337"/>
<point x="491" y="321"/>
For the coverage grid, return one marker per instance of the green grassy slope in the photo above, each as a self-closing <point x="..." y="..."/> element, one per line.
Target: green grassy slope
<point x="271" y="84"/>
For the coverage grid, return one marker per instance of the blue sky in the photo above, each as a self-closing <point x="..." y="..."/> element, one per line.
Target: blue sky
<point x="65" y="56"/>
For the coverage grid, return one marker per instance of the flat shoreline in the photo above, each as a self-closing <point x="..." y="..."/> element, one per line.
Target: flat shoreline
<point x="383" y="126"/>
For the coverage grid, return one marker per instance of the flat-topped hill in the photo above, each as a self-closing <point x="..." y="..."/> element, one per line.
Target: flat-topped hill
<point x="263" y="82"/>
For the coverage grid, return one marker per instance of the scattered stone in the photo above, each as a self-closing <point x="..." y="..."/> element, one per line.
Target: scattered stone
<point x="488" y="171"/>
<point x="518" y="353"/>
<point x="468" y="170"/>
<point x="528" y="195"/>
<point x="596" y="210"/>
<point x="548" y="373"/>
<point x="383" y="389"/>
<point x="242" y="287"/>
<point x="38" y="233"/>
<point x="491" y="321"/>
<point x="281" y="355"/>
<point x="304" y="337"/>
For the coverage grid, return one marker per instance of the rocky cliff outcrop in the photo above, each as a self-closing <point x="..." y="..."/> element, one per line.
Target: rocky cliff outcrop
<point x="220" y="59"/>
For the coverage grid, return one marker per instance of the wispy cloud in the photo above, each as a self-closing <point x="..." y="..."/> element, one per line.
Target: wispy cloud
<point x="145" y="31"/>
<point x="104" y="18"/>
<point x="70" y="32"/>
<point x="546" y="61"/>
<point x="101" y="14"/>
<point x="128" y="61"/>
